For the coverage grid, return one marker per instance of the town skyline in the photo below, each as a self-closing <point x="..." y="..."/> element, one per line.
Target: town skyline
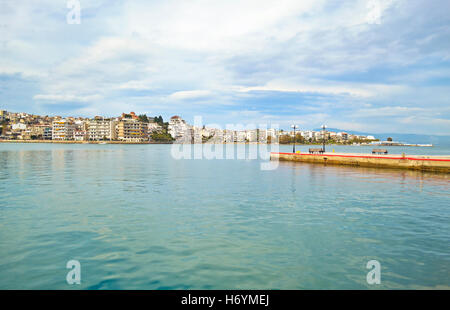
<point x="131" y="127"/>
<point x="206" y="122"/>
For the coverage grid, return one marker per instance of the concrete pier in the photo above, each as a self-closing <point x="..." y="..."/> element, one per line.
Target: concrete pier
<point x="416" y="162"/>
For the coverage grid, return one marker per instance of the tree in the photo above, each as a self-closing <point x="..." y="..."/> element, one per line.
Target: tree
<point x="143" y="118"/>
<point x="299" y="139"/>
<point x="206" y="139"/>
<point x="162" y="137"/>
<point x="159" y="120"/>
<point x="285" y="139"/>
<point x="3" y="126"/>
<point x="389" y="139"/>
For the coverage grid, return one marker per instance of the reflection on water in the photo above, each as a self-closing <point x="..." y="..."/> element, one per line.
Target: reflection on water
<point x="138" y="219"/>
<point x="374" y="174"/>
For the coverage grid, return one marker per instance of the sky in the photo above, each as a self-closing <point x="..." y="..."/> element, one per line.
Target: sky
<point x="374" y="66"/>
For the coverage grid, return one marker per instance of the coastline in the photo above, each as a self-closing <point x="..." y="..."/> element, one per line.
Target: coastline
<point x="81" y="142"/>
<point x="166" y="142"/>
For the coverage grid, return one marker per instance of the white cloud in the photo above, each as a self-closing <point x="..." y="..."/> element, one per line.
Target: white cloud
<point x="392" y="111"/>
<point x="67" y="97"/>
<point x="190" y="94"/>
<point x="136" y="85"/>
<point x="311" y="89"/>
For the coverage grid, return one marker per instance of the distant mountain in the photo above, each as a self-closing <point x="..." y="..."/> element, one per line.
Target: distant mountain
<point x="400" y="137"/>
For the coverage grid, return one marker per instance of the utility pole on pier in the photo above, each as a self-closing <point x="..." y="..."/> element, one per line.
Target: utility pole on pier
<point x="323" y="136"/>
<point x="293" y="147"/>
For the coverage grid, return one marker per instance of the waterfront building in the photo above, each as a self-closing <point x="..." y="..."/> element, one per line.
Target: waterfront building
<point x="3" y="115"/>
<point x="263" y="135"/>
<point x="101" y="128"/>
<point x="180" y="130"/>
<point x="132" y="130"/>
<point x="210" y="135"/>
<point x="199" y="134"/>
<point x="317" y="135"/>
<point x="342" y="136"/>
<point x="252" y="135"/>
<point x="47" y="134"/>
<point x="18" y="126"/>
<point x="271" y="132"/>
<point x="241" y="136"/>
<point x="308" y="134"/>
<point x="228" y="136"/>
<point x="80" y="135"/>
<point x="214" y="135"/>
<point x="18" y="131"/>
<point x="153" y="127"/>
<point x="37" y="131"/>
<point x="62" y="130"/>
<point x="322" y="135"/>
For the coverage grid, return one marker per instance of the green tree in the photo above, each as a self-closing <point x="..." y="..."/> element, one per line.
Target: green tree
<point x="3" y="126"/>
<point x="159" y="120"/>
<point x="285" y="139"/>
<point x="162" y="137"/>
<point x="299" y="139"/>
<point x="143" y="118"/>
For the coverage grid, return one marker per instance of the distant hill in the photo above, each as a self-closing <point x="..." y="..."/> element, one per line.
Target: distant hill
<point x="400" y="137"/>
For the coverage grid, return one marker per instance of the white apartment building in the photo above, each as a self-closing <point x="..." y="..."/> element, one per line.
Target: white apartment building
<point x="264" y="134"/>
<point x="271" y="132"/>
<point x="152" y="127"/>
<point x="80" y="135"/>
<point x="307" y="134"/>
<point x="101" y="129"/>
<point x="217" y="135"/>
<point x="252" y="135"/>
<point x="342" y="135"/>
<point x="318" y="135"/>
<point x="18" y="126"/>
<point x="62" y="130"/>
<point x="228" y="136"/>
<point x="241" y="136"/>
<point x="180" y="130"/>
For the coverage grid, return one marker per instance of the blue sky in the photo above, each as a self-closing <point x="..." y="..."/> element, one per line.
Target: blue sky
<point x="375" y="66"/>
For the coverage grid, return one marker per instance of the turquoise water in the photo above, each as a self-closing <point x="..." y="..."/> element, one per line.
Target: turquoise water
<point x="136" y="218"/>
